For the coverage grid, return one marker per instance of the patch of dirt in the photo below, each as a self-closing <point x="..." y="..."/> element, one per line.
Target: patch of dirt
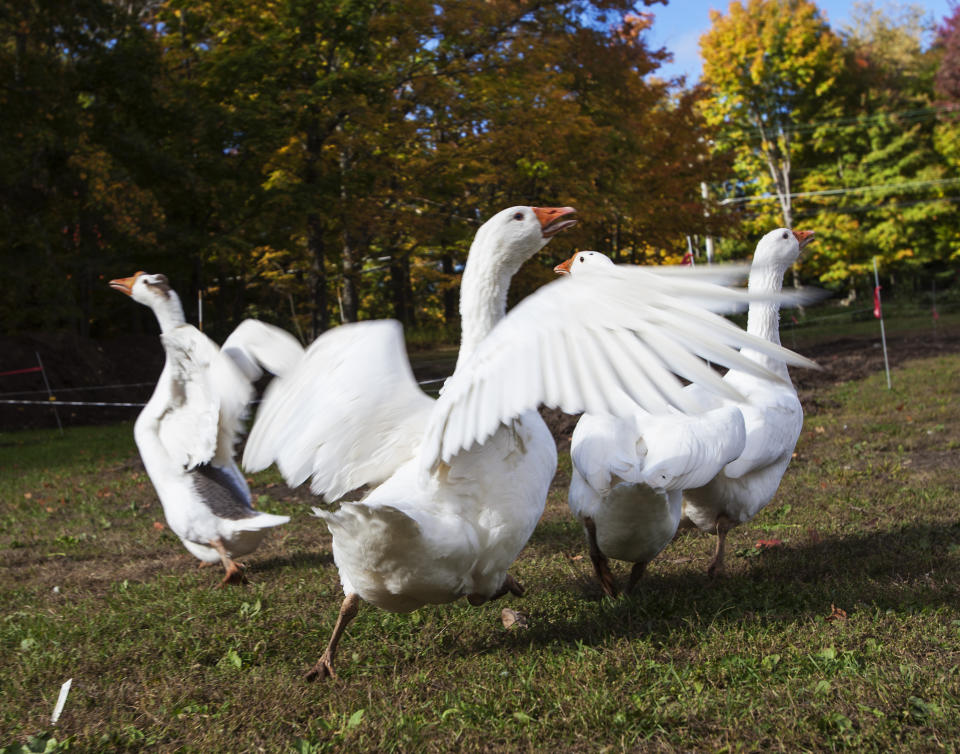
<point x="847" y="359"/>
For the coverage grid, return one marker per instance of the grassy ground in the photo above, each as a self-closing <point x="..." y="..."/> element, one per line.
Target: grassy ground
<point x="845" y="635"/>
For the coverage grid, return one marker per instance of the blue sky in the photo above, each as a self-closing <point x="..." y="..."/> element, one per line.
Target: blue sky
<point x="678" y="26"/>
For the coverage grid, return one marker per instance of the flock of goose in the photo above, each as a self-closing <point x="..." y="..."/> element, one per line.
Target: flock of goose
<point x="455" y="486"/>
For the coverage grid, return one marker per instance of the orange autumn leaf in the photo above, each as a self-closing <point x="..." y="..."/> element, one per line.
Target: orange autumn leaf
<point x="836" y="613"/>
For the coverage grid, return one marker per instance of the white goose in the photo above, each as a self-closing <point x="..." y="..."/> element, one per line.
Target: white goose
<point x="771" y="410"/>
<point x="458" y="484"/>
<point x="187" y="431"/>
<point x="629" y="473"/>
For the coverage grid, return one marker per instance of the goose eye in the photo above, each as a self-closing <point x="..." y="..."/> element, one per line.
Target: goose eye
<point x="785" y="234"/>
<point x="518" y="216"/>
<point x="582" y="259"/>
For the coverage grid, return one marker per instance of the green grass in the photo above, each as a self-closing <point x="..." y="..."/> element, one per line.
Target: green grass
<point x="91" y="589"/>
<point x="830" y="321"/>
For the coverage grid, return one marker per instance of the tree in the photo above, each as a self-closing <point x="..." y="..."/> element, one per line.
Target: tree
<point x="948" y="43"/>
<point x="769" y="65"/>
<point x="880" y="185"/>
<point x="72" y="190"/>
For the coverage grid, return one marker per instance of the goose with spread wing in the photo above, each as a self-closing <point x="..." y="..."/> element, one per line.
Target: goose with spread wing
<point x="771" y="409"/>
<point x="629" y="472"/>
<point x="457" y="485"/>
<point x="187" y="431"/>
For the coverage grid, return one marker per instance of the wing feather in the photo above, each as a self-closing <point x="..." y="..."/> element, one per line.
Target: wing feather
<point x="349" y="413"/>
<point x="254" y="346"/>
<point x="562" y="347"/>
<point x="208" y="401"/>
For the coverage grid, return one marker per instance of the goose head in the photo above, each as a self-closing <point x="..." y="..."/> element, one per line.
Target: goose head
<point x="502" y="244"/>
<point x="781" y="247"/>
<point x="583" y="260"/>
<point x="515" y="234"/>
<point x="152" y="290"/>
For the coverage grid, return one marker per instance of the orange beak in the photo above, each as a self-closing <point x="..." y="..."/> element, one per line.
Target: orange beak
<point x="803" y="237"/>
<point x="125" y="285"/>
<point x="554" y="219"/>
<point x="564" y="267"/>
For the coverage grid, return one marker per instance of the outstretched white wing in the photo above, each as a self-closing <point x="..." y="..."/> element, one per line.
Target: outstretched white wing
<point x="597" y="343"/>
<point x="350" y="413"/>
<point x="255" y="346"/>
<point x="207" y="401"/>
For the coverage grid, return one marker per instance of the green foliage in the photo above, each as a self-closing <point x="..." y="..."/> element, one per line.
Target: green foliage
<point x="311" y="162"/>
<point x="314" y="161"/>
<point x="846" y="124"/>
<point x="769" y="65"/>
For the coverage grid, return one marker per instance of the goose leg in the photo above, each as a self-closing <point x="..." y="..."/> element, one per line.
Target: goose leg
<point x="600" y="564"/>
<point x="234" y="571"/>
<point x="724" y="525"/>
<point x="636" y="573"/>
<point x="324" y="667"/>
<point x="510" y="584"/>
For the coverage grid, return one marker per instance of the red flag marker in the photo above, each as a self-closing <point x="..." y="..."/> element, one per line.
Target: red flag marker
<point x="878" y="313"/>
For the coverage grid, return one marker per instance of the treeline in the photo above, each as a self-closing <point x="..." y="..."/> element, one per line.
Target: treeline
<point x="316" y="161"/>
<point x="852" y="132"/>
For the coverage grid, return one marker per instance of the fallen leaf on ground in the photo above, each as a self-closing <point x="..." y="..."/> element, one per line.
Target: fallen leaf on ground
<point x="513" y="618"/>
<point x="766" y="544"/>
<point x="836" y="613"/>
<point x="158" y="525"/>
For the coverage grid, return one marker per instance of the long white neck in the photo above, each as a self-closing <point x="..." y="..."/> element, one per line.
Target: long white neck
<point x="483" y="297"/>
<point x="169" y="312"/>
<point x="763" y="319"/>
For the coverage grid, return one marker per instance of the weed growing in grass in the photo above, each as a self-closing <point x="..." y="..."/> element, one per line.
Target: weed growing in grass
<point x="847" y="635"/>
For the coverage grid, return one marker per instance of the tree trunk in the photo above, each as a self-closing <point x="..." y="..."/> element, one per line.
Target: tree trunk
<point x="616" y="239"/>
<point x="451" y="296"/>
<point x="349" y="293"/>
<point x="318" y="277"/>
<point x="402" y="290"/>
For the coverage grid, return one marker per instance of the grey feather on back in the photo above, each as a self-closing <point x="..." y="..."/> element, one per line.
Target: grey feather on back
<point x="221" y="493"/>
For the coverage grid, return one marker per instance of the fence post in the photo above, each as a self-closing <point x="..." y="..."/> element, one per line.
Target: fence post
<point x="53" y="400"/>
<point x="878" y="313"/>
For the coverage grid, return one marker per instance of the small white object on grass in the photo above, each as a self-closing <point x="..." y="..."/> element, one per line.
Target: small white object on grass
<point x="61" y="700"/>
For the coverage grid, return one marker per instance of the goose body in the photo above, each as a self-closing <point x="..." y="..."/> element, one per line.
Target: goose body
<point x="187" y="431"/>
<point x="773" y="416"/>
<point x="411" y="543"/>
<point x="457" y="485"/>
<point x="629" y="472"/>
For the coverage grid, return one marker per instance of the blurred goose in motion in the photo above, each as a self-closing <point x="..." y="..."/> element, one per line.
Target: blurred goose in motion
<point x="771" y="409"/>
<point x="629" y="472"/>
<point x="457" y="485"/>
<point x="187" y="431"/>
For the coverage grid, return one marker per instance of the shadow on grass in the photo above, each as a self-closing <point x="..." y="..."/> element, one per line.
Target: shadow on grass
<point x="295" y="560"/>
<point x="908" y="570"/>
